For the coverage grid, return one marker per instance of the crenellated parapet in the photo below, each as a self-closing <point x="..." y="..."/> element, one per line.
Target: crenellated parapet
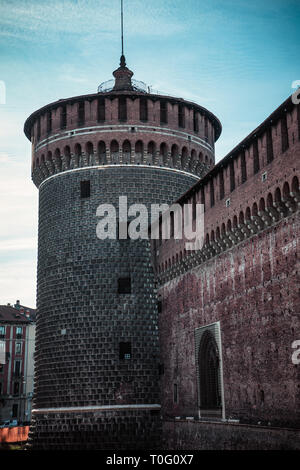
<point x="124" y="128"/>
<point x="253" y="188"/>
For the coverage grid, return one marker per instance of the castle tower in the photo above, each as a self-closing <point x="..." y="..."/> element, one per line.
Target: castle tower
<point x="97" y="356"/>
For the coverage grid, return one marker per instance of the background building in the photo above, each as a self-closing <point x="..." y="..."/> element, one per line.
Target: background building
<point x="17" y="336"/>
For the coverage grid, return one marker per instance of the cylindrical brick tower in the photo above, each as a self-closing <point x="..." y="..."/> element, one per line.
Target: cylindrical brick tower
<point x="97" y="357"/>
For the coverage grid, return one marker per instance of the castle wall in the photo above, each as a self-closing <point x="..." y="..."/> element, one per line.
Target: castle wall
<point x="246" y="276"/>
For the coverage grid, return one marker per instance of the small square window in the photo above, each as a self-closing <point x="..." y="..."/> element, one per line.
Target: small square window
<point x="85" y="189"/>
<point x="264" y="176"/>
<point x="124" y="285"/>
<point x="125" y="350"/>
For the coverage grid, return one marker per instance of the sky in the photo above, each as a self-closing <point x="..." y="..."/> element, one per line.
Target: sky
<point x="238" y="58"/>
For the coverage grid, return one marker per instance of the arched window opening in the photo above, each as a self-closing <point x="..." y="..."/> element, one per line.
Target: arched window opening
<point x="241" y="217"/>
<point x="269" y="200"/>
<point x="262" y="205"/>
<point x="277" y="195"/>
<point x="254" y="209"/>
<point x="102" y="152"/>
<point x="139" y="150"/>
<point x="67" y="154"/>
<point x="248" y="213"/>
<point x="295" y="185"/>
<point x="286" y="190"/>
<point x="193" y="160"/>
<point x="164" y="152"/>
<point x="114" y="151"/>
<point x="209" y="373"/>
<point x="57" y="159"/>
<point x="174" y="155"/>
<point x="89" y="148"/>
<point x="184" y="157"/>
<point x="126" y="151"/>
<point x="151" y="148"/>
<point x="78" y="153"/>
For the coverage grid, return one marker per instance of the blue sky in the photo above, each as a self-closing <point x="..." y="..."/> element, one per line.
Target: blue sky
<point x="235" y="57"/>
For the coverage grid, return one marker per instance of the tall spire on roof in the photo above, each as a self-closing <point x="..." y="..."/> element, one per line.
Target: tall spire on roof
<point x="122" y="59"/>
<point x="122" y="74"/>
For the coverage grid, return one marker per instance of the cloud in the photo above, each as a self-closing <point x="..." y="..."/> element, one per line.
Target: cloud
<point x="45" y="21"/>
<point x="17" y="281"/>
<point x="17" y="244"/>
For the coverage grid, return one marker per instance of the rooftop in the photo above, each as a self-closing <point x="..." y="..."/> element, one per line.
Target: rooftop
<point x="9" y="314"/>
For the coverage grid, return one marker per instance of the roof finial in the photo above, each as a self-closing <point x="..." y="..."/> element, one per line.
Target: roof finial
<point x="122" y="59"/>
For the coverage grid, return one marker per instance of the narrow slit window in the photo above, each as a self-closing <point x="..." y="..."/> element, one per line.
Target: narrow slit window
<point x="124" y="285"/>
<point x="243" y="168"/>
<point x="205" y="127"/>
<point x="195" y="121"/>
<point x="63" y="117"/>
<point x="101" y="110"/>
<point x="39" y="128"/>
<point x="85" y="189"/>
<point x="284" y="134"/>
<point x="222" y="189"/>
<point x="143" y="109"/>
<point x="255" y="157"/>
<point x="125" y="350"/>
<point x="81" y="113"/>
<point x="232" y="176"/>
<point x="212" y="194"/>
<point x="122" y="108"/>
<point x="181" y="117"/>
<point x="270" y="154"/>
<point x="163" y="112"/>
<point x="49" y="121"/>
